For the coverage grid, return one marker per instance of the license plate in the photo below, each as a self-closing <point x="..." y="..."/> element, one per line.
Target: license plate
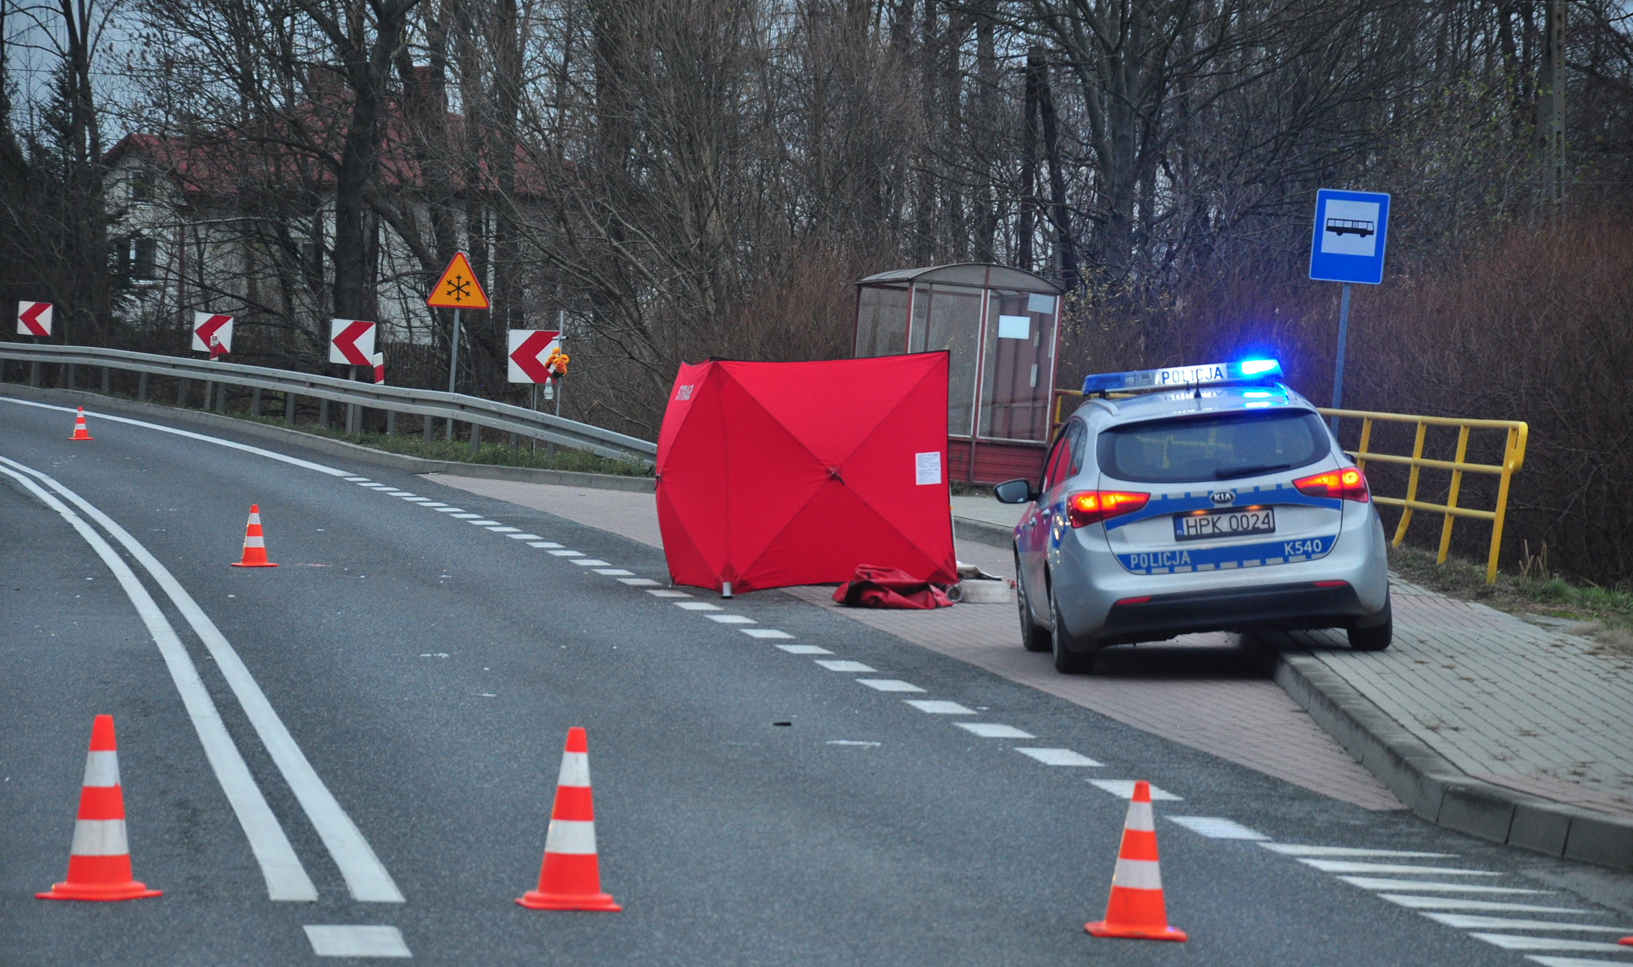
<point x="1224" y="523"/>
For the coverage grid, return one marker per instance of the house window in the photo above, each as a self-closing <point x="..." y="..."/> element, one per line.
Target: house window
<point x="141" y="189"/>
<point x="312" y="257"/>
<point x="141" y="260"/>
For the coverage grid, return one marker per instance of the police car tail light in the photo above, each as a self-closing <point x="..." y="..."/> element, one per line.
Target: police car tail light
<point x="1345" y="484"/>
<point x="1092" y="506"/>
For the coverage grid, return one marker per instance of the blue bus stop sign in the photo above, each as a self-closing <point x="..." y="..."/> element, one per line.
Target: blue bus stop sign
<point x="1348" y="242"/>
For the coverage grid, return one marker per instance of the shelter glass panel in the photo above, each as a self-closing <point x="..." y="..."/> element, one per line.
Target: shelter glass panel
<point x="1019" y="362"/>
<point x="881" y="321"/>
<point x="949" y="317"/>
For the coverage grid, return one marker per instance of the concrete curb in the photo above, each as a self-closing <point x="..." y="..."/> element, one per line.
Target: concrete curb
<point x="1436" y="789"/>
<point x="983" y="532"/>
<point x="336" y="448"/>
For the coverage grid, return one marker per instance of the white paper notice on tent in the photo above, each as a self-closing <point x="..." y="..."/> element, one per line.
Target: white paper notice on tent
<point x="1014" y="327"/>
<point x="1038" y="302"/>
<point x="927" y="468"/>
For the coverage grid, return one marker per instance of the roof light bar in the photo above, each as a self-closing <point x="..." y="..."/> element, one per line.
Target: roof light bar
<point x="1247" y="370"/>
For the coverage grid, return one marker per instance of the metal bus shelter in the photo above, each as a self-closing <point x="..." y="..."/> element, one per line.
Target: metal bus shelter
<point x="1000" y="327"/>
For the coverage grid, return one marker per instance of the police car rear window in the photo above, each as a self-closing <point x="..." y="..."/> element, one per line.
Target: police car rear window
<point x="1218" y="447"/>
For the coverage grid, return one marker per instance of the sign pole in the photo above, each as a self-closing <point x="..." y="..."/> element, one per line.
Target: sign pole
<point x="453" y="366"/>
<point x="1338" y="374"/>
<point x="533" y="444"/>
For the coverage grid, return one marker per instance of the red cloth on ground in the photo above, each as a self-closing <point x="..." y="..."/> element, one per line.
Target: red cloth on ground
<point x="889" y="587"/>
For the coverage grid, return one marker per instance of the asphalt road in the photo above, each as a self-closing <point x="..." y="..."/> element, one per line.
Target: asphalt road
<point x="752" y="806"/>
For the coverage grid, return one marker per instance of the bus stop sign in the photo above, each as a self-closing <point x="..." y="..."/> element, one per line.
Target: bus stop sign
<point x="1348" y="243"/>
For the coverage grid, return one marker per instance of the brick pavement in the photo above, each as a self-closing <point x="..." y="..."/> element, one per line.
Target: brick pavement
<point x="1200" y="691"/>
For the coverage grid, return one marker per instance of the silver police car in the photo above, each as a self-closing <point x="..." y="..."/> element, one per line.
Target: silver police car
<point x="1211" y="499"/>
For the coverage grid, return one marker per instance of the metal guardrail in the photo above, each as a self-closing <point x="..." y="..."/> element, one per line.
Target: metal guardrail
<point x="1513" y="458"/>
<point x="432" y="404"/>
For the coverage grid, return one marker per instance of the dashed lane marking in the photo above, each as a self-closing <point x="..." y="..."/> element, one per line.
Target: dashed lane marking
<point x="696" y="606"/>
<point x="1433" y="886"/>
<point x="1449" y="903"/>
<point x="546" y="544"/>
<point x="525" y="537"/>
<point x="993" y="730"/>
<point x="804" y="649"/>
<point x="501" y="529"/>
<point x="615" y="572"/>
<point x="1397" y="869"/>
<point x="1572" y="962"/>
<point x="1066" y="757"/>
<point x="935" y="707"/>
<point x="465" y="516"/>
<point x="356" y="479"/>
<point x="375" y="486"/>
<point x="854" y="742"/>
<point x="732" y="619"/>
<point x="639" y="582"/>
<point x="1216" y="827"/>
<point x="1464" y="921"/>
<point x="765" y="633"/>
<point x="566" y="553"/>
<point x="1124" y="789"/>
<point x="589" y="562"/>
<point x="1509" y="941"/>
<point x="356" y="941"/>
<point x="668" y="593"/>
<point x="840" y="665"/>
<point x="887" y="684"/>
<point x="422" y="501"/>
<point x="434" y="504"/>
<point x="452" y="510"/>
<point x="485" y="523"/>
<point x="393" y="492"/>
<point x="1295" y="849"/>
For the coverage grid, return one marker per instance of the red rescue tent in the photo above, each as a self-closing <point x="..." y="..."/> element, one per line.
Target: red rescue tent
<point x="777" y="474"/>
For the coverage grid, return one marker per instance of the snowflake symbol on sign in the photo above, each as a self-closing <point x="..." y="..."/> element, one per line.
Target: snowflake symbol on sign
<point x="459" y="288"/>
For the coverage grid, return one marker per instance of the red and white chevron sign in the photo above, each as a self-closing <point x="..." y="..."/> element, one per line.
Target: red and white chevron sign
<point x="529" y="348"/>
<point x="205" y="325"/>
<point x="351" y="342"/>
<point x="379" y="367"/>
<point x="33" y="318"/>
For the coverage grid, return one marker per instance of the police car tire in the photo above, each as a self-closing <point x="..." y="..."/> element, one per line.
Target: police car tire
<point x="1067" y="662"/>
<point x="1033" y="638"/>
<point x="1377" y="637"/>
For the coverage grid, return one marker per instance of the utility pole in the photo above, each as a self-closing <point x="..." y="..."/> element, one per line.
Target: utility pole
<point x="1551" y="111"/>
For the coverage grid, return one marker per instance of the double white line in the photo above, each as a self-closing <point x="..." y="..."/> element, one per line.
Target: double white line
<point x="366" y="877"/>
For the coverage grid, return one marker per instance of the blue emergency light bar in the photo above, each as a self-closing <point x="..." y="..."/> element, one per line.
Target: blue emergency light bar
<point x="1178" y="377"/>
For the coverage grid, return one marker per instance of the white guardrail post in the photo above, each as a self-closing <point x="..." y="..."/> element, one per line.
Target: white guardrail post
<point x="431" y="404"/>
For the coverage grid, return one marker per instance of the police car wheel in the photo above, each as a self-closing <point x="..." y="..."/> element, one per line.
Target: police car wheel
<point x="1378" y="636"/>
<point x="1067" y="662"/>
<point x="1033" y="638"/>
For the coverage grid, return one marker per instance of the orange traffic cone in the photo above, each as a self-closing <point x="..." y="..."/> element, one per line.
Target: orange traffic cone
<point x="99" y="860"/>
<point x="80" y="432"/>
<point x="1135" y="908"/>
<point x="570" y="877"/>
<point x="254" y="544"/>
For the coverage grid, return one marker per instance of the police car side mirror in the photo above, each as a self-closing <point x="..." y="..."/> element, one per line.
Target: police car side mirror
<point x="1017" y="491"/>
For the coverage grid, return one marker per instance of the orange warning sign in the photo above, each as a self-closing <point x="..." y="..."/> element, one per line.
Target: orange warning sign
<point x="458" y="288"/>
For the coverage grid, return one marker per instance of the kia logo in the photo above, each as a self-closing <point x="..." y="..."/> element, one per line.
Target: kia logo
<point x="1222" y="497"/>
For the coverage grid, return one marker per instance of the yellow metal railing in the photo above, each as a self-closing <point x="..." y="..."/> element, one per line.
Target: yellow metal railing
<point x="1513" y="459"/>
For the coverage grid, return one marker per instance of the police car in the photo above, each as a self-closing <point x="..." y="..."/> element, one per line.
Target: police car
<point x="1195" y="498"/>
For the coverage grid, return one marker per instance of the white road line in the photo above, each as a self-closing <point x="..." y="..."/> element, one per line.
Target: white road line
<point x="995" y="730"/>
<point x="543" y="544"/>
<point x="668" y="593"/>
<point x="525" y="537"/>
<point x="840" y="665"/>
<point x="765" y="633"/>
<point x="365" y="875"/>
<point x="589" y="562"/>
<point x="508" y="531"/>
<point x="422" y="501"/>
<point x="856" y="742"/>
<point x="1464" y="921"/>
<point x="1394" y="869"/>
<point x="376" y="486"/>
<point x="1444" y="903"/>
<point x="1295" y="849"/>
<point x="434" y="504"/>
<point x="391" y="492"/>
<point x="1216" y="827"/>
<point x="566" y="553"/>
<point x="638" y="582"/>
<point x="615" y="572"/>
<point x="485" y="522"/>
<point x="461" y="515"/>
<point x="887" y="684"/>
<point x="1509" y="941"/>
<point x="696" y="606"/>
<point x="217" y="441"/>
<point x="285" y="878"/>
<point x="1124" y="789"/>
<point x="734" y="619"/>
<point x="346" y="940"/>
<point x="1433" y="886"/>
<point x="935" y="707"/>
<point x="451" y="510"/>
<point x="1572" y="961"/>
<point x="804" y="650"/>
<point x="356" y="479"/>
<point x="1066" y="757"/>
